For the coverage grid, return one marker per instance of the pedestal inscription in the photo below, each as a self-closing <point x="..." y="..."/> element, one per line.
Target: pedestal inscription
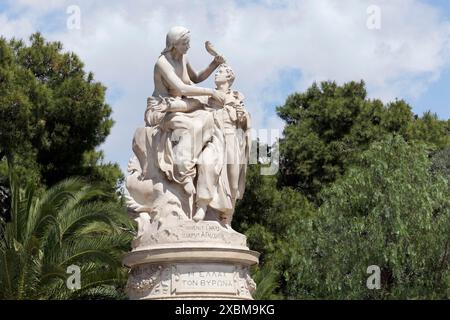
<point x="191" y="278"/>
<point x="201" y="231"/>
<point x="190" y="274"/>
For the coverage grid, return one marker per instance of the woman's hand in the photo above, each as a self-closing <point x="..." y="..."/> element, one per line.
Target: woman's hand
<point x="218" y="60"/>
<point x="156" y="105"/>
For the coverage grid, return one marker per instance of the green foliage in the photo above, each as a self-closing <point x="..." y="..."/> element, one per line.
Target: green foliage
<point x="441" y="163"/>
<point x="431" y="130"/>
<point x="5" y="199"/>
<point x="52" y="114"/>
<point x="96" y="171"/>
<point x="329" y="125"/>
<point x="387" y="210"/>
<point x="266" y="279"/>
<point x="271" y="218"/>
<point x="71" y="223"/>
<point x="15" y="111"/>
<point x="371" y="198"/>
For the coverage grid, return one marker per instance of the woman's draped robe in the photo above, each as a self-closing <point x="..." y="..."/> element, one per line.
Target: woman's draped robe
<point x="208" y="148"/>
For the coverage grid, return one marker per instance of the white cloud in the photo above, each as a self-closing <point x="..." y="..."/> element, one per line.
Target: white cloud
<point x="19" y="28"/>
<point x="120" y="41"/>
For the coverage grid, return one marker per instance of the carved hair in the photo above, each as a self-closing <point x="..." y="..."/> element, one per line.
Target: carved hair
<point x="175" y="35"/>
<point x="229" y="71"/>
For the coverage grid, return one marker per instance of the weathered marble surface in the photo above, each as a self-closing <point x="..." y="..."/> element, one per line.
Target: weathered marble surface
<point x="191" y="273"/>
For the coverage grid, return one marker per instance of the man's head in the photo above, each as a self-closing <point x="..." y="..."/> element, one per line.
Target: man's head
<point x="224" y="74"/>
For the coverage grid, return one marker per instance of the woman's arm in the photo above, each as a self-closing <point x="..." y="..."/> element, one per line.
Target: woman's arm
<point x="185" y="105"/>
<point x="203" y="75"/>
<point x="175" y="82"/>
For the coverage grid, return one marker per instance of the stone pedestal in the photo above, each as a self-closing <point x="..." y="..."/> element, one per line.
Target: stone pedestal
<point x="195" y="260"/>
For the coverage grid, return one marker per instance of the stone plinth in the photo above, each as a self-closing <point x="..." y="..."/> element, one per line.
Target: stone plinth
<point x="197" y="264"/>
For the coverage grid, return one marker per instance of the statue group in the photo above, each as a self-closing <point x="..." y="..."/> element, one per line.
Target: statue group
<point x="187" y="172"/>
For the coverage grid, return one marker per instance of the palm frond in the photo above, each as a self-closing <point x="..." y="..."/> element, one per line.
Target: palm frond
<point x="68" y="224"/>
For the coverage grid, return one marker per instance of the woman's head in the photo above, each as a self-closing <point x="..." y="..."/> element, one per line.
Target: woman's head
<point x="177" y="38"/>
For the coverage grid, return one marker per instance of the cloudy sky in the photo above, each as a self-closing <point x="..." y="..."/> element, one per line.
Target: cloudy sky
<point x="401" y="48"/>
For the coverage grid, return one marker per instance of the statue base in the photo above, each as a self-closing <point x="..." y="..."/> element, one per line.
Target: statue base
<point x="191" y="270"/>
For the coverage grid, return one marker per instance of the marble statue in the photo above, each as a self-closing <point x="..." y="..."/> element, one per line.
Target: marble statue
<point x="187" y="174"/>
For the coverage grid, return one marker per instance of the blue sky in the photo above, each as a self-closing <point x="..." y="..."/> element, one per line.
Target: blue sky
<point x="274" y="47"/>
<point x="437" y="97"/>
<point x="443" y="5"/>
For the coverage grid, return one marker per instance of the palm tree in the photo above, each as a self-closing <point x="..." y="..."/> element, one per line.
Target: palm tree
<point x="266" y="279"/>
<point x="69" y="224"/>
